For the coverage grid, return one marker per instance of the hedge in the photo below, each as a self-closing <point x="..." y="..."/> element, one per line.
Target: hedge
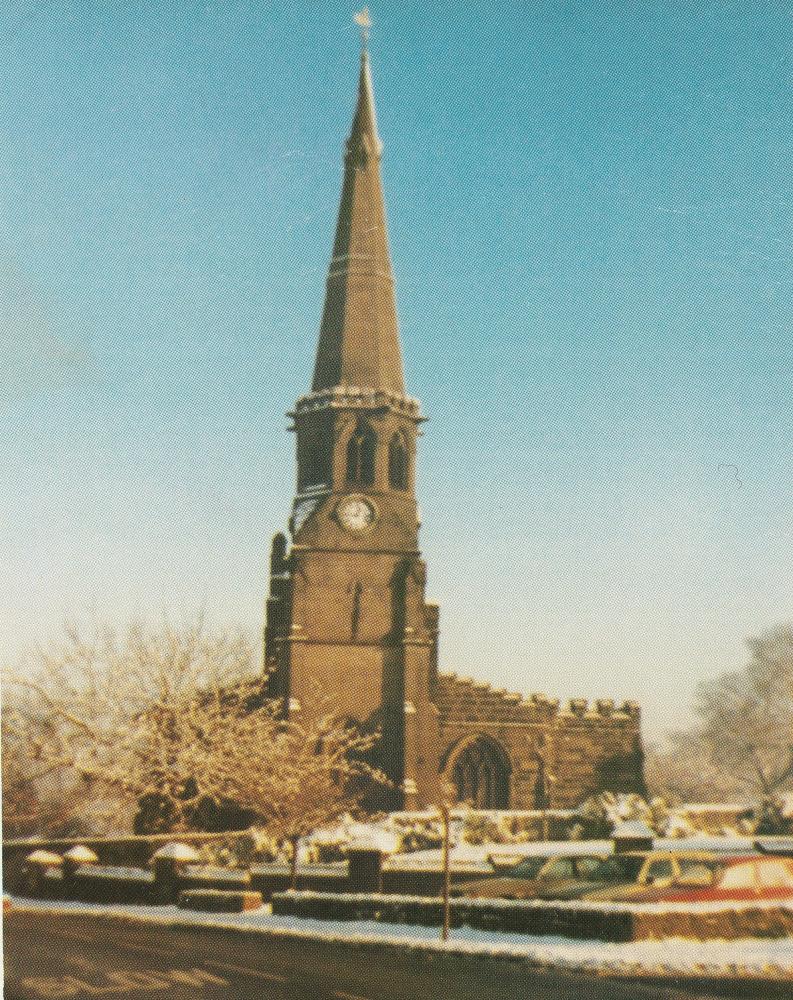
<point x="600" y="921"/>
<point x="110" y="884"/>
<point x="219" y="901"/>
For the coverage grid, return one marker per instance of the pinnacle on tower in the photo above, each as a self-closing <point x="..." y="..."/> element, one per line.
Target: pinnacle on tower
<point x="359" y="334"/>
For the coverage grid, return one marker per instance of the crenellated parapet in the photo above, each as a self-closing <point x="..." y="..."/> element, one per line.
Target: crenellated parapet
<point x="456" y="696"/>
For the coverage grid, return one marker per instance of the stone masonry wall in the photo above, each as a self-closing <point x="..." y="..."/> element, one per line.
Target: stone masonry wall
<point x="582" y="747"/>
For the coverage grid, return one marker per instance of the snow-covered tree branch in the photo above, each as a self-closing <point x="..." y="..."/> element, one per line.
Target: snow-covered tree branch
<point x="174" y="719"/>
<point x="741" y="744"/>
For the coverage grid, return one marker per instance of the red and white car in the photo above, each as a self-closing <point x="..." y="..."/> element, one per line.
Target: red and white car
<point x="741" y="877"/>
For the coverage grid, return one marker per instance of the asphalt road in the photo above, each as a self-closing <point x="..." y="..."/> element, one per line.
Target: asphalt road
<point x="75" y="956"/>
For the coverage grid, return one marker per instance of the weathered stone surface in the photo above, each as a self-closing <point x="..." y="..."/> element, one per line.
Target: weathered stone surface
<point x="347" y="615"/>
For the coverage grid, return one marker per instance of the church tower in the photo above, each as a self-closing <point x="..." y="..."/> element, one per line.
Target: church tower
<point x="346" y="616"/>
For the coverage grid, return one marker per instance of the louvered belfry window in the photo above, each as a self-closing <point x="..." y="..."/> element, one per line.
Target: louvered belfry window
<point x="360" y="455"/>
<point x="398" y="462"/>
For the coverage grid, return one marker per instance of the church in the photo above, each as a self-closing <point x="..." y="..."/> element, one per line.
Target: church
<point x="347" y="620"/>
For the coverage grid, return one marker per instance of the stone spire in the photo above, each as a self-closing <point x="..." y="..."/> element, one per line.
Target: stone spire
<point x="359" y="335"/>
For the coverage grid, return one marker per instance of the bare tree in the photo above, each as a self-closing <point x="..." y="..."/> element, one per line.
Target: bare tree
<point x="296" y="774"/>
<point x="174" y="719"/>
<point x="742" y="741"/>
<point x="129" y="715"/>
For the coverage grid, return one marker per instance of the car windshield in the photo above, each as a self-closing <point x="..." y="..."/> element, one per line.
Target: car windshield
<point x="619" y="867"/>
<point x="527" y="868"/>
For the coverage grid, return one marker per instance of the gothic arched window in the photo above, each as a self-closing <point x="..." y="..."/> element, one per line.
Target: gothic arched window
<point x="481" y="776"/>
<point x="361" y="450"/>
<point x="398" y="462"/>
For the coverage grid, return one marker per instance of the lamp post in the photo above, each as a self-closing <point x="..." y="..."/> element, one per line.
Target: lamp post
<point x="445" y="813"/>
<point x="448" y="794"/>
<point x="545" y="756"/>
<point x="548" y="782"/>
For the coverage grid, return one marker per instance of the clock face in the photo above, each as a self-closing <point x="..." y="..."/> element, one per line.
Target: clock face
<point x="356" y="513"/>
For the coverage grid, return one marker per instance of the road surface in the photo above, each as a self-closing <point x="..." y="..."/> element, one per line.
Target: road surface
<point x="79" y="956"/>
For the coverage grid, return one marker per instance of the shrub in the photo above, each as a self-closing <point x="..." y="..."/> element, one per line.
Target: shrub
<point x="219" y="901"/>
<point x="480" y="828"/>
<point x="600" y="813"/>
<point x="421" y="836"/>
<point x="771" y="819"/>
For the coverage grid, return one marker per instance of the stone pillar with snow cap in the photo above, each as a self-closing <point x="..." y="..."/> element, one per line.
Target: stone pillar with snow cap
<point x="73" y="859"/>
<point x="167" y="863"/>
<point x="632" y="835"/>
<point x="34" y="870"/>
<point x="365" y="861"/>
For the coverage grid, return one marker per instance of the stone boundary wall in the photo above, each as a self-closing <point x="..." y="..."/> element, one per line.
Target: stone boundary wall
<point x="127" y="885"/>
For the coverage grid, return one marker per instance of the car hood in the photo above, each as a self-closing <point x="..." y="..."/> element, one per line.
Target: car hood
<point x="626" y="892"/>
<point x="498" y="888"/>
<point x="574" y="889"/>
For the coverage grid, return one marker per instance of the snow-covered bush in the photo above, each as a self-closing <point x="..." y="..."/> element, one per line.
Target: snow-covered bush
<point x="332" y="843"/>
<point x="771" y="818"/>
<point x="482" y="828"/>
<point x="600" y="813"/>
<point x="678" y="826"/>
<point x="421" y="835"/>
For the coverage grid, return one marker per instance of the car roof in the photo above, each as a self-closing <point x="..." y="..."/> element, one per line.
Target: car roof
<point x="737" y="859"/>
<point x="699" y="855"/>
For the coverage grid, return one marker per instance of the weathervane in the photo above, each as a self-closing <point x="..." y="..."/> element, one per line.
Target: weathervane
<point x="364" y="22"/>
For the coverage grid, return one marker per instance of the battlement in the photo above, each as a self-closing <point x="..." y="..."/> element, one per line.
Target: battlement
<point x="459" y="695"/>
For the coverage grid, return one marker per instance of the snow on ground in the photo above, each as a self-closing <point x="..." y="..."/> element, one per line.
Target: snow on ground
<point x="477" y="855"/>
<point x="465" y="855"/>
<point x="750" y="958"/>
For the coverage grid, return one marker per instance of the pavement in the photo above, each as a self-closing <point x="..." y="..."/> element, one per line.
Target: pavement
<point x="75" y="955"/>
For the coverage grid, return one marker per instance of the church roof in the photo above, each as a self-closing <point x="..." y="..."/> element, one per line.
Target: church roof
<point x="359" y="335"/>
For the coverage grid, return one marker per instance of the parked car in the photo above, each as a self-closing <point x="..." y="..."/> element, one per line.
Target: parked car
<point x="646" y="876"/>
<point x="531" y="877"/>
<point x="734" y="878"/>
<point x="779" y="846"/>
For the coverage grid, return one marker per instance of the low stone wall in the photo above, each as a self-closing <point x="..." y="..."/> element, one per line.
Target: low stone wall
<point x="428" y="881"/>
<point x="97" y="883"/>
<point x="272" y="878"/>
<point x="109" y="884"/>
<point x="131" y="851"/>
<point x="615" y="922"/>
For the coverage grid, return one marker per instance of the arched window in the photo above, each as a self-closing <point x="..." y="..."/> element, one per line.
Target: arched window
<point x="361" y="450"/>
<point x="481" y="776"/>
<point x="398" y="462"/>
<point x="316" y="468"/>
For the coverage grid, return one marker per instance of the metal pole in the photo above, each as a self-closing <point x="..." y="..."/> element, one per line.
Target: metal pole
<point x="446" y="837"/>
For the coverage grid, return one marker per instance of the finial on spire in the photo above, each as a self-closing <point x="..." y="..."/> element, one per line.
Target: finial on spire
<point x="364" y="22"/>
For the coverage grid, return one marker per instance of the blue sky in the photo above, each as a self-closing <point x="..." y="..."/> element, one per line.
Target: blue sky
<point x="591" y="214"/>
